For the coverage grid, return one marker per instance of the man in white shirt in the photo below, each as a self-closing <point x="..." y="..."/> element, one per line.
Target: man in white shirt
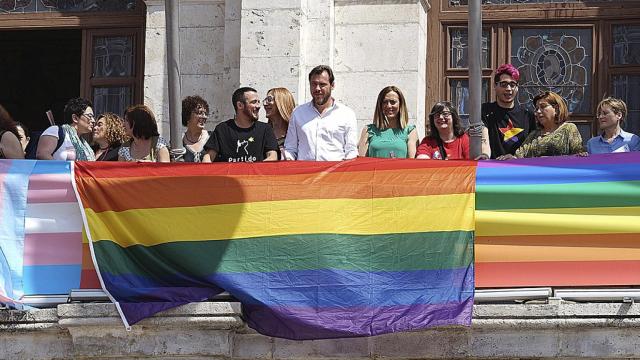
<point x="322" y="129"/>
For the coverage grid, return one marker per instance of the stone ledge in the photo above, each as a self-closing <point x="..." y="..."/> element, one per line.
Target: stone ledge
<point x="216" y="330"/>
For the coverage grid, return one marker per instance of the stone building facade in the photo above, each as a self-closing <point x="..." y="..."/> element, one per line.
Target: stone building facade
<point x="264" y="44"/>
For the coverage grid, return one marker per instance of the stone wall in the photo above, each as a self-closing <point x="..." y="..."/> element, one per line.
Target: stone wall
<point x="216" y="331"/>
<point x="380" y="43"/>
<point x="266" y="44"/>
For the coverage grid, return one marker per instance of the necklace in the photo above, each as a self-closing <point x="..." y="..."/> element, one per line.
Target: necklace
<point x="186" y="136"/>
<point x="104" y="148"/>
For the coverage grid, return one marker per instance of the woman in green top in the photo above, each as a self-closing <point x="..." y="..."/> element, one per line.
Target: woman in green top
<point x="390" y="135"/>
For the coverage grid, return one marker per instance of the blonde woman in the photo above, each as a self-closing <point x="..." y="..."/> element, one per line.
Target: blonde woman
<point x="278" y="105"/>
<point x="611" y="113"/>
<point x="390" y="135"/>
<point x="108" y="136"/>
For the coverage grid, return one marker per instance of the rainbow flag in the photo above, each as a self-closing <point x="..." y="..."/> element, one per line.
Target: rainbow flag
<point x="311" y="249"/>
<point x="561" y="221"/>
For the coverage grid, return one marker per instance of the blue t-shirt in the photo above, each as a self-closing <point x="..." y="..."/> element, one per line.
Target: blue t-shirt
<point x="623" y="142"/>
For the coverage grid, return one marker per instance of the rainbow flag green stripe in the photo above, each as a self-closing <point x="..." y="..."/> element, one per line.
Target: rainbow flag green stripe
<point x="574" y="195"/>
<point x="392" y="252"/>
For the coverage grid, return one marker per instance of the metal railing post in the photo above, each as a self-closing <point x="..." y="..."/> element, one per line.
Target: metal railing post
<point x="475" y="77"/>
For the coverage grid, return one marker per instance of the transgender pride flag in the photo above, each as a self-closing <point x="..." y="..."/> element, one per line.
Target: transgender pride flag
<point x="14" y="183"/>
<point x="42" y="251"/>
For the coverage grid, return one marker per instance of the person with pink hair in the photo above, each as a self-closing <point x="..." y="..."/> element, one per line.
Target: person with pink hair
<point x="508" y="123"/>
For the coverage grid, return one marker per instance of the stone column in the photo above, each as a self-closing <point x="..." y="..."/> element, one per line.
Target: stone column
<point x="203" y="67"/>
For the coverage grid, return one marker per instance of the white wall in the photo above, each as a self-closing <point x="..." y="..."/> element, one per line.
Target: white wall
<point x="229" y="43"/>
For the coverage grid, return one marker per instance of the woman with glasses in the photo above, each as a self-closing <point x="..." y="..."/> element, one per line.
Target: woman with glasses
<point x="611" y="113"/>
<point x="108" y="136"/>
<point x="195" y="112"/>
<point x="446" y="139"/>
<point x="10" y="147"/>
<point x="67" y="142"/>
<point x="390" y="135"/>
<point x="145" y="144"/>
<point x="554" y="136"/>
<point x="278" y="105"/>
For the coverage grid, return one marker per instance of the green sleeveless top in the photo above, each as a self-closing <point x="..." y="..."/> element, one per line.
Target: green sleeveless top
<point x="389" y="143"/>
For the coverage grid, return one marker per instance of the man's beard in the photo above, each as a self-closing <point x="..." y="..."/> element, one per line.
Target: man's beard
<point x="250" y="114"/>
<point x="323" y="100"/>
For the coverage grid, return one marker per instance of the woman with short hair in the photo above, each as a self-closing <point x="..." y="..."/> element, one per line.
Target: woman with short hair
<point x="554" y="136"/>
<point x="195" y="112"/>
<point x="79" y="121"/>
<point x="446" y="138"/>
<point x="390" y="135"/>
<point x="146" y="144"/>
<point x="611" y="113"/>
<point x="108" y="136"/>
<point x="10" y="147"/>
<point x="278" y="106"/>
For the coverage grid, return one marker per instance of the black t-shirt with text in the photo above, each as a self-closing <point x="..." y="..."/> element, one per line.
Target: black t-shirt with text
<point x="507" y="127"/>
<point x="235" y="144"/>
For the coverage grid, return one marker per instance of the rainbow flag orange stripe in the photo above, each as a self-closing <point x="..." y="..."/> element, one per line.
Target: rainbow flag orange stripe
<point x="312" y="250"/>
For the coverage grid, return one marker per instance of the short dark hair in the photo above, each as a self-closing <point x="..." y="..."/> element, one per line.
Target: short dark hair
<point x="191" y="104"/>
<point x="238" y="95"/>
<point x="318" y="70"/>
<point x="142" y="121"/>
<point x="75" y="106"/>
<point x="25" y="129"/>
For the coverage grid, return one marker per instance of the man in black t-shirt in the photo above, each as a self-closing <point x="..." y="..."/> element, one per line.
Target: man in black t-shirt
<point x="507" y="122"/>
<point x="244" y="138"/>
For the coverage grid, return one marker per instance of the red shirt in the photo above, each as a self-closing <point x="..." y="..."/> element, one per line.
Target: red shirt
<point x="458" y="149"/>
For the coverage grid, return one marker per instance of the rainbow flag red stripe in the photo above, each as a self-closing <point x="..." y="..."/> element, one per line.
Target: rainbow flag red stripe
<point x="312" y="250"/>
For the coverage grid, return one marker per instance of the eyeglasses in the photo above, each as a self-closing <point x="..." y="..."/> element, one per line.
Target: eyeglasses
<point x="203" y="114"/>
<point x="269" y="100"/>
<point x="541" y="107"/>
<point x="443" y="114"/>
<point x="505" y="84"/>
<point x="89" y="116"/>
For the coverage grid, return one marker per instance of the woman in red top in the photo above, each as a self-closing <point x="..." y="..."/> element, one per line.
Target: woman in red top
<point x="446" y="139"/>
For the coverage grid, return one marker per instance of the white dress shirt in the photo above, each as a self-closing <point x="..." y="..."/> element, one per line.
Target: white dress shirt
<point x="331" y="136"/>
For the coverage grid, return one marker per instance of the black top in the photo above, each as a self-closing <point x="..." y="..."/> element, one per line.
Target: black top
<point x="190" y="156"/>
<point x="235" y="144"/>
<point x="507" y="127"/>
<point x="110" y="155"/>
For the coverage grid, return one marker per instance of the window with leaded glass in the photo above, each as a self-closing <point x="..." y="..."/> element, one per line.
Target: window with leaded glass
<point x="114" y="73"/>
<point x="625" y="61"/>
<point x="554" y="59"/>
<point x="44" y="6"/>
<point x="520" y="2"/>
